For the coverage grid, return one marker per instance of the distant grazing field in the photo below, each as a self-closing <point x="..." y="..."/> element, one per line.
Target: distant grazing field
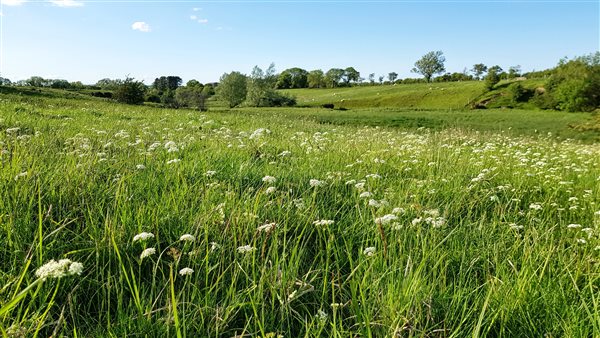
<point x="137" y="221"/>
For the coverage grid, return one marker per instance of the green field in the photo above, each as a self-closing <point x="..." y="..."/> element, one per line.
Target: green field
<point x="304" y="222"/>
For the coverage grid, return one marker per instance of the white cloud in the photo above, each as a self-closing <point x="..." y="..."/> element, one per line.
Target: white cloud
<point x="203" y="21"/>
<point x="193" y="17"/>
<point x="195" y="9"/>
<point x="66" y="3"/>
<point x="140" y="26"/>
<point x="13" y="2"/>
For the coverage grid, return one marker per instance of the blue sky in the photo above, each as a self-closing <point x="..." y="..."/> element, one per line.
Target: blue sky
<point x="90" y="40"/>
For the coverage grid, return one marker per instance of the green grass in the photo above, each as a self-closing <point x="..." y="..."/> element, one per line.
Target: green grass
<point x="469" y="253"/>
<point x="455" y="95"/>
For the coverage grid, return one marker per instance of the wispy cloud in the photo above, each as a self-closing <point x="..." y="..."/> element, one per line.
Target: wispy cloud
<point x="13" y="2"/>
<point x="203" y="21"/>
<point x="67" y="3"/>
<point x="195" y="9"/>
<point x="193" y="17"/>
<point x="140" y="26"/>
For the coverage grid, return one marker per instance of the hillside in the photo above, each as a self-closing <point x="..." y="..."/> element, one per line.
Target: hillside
<point x="442" y="95"/>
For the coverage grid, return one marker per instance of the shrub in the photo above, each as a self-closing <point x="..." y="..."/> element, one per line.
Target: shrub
<point x="130" y="92"/>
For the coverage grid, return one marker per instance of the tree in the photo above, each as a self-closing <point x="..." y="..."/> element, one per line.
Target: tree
<point x="381" y="79"/>
<point x="478" y="70"/>
<point x="284" y="80"/>
<point x="333" y="77"/>
<point x="108" y="84"/>
<point x="350" y="75"/>
<point x="392" y="76"/>
<point x="259" y="84"/>
<point x="232" y="88"/>
<point x="514" y="71"/>
<point x="130" y="92"/>
<point x="5" y="82"/>
<point x="430" y="64"/>
<point x="193" y="83"/>
<point x="316" y="79"/>
<point x="491" y="79"/>
<point x="372" y="78"/>
<point x="293" y="78"/>
<point x="191" y="96"/>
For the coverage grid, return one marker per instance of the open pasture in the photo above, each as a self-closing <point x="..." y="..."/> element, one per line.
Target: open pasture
<point x="263" y="224"/>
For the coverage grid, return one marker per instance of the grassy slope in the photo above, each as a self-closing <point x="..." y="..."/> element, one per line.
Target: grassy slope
<point x="422" y="96"/>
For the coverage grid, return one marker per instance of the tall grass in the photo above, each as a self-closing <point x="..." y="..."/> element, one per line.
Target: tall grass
<point x="491" y="234"/>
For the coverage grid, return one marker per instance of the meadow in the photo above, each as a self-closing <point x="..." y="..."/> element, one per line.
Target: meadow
<point x="137" y="221"/>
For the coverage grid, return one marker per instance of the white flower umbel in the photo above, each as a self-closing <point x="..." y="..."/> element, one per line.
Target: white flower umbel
<point x="186" y="271"/>
<point x="269" y="179"/>
<point x="62" y="268"/>
<point x="316" y="183"/>
<point x="147" y="253"/>
<point x="266" y="227"/>
<point x="323" y="222"/>
<point x="370" y="251"/>
<point x="187" y="238"/>
<point x="385" y="219"/>
<point x="573" y="226"/>
<point x="270" y="190"/>
<point x="142" y="236"/>
<point x="245" y="249"/>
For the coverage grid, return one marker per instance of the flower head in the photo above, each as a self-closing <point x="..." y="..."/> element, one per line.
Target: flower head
<point x="323" y="222"/>
<point x="187" y="238"/>
<point x="186" y="271"/>
<point x="269" y="179"/>
<point x="245" y="249"/>
<point x="142" y="236"/>
<point x="147" y="253"/>
<point x="62" y="268"/>
<point x="370" y="251"/>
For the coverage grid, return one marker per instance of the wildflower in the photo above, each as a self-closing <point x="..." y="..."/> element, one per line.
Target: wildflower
<point x="535" y="206"/>
<point x="140" y="167"/>
<point x="323" y="222"/>
<point x="142" y="236"/>
<point x="270" y="190"/>
<point x="370" y="251"/>
<point x="285" y="153"/>
<point x="416" y="221"/>
<point x="350" y="182"/>
<point x="514" y="226"/>
<point x="186" y="271"/>
<point x="62" y="268"/>
<point x="360" y="186"/>
<point x="214" y="246"/>
<point x="573" y="226"/>
<point x="210" y="173"/>
<point x="385" y="219"/>
<point x="175" y="160"/>
<point x="259" y="133"/>
<point x="581" y="241"/>
<point x="266" y="227"/>
<point x="269" y="179"/>
<point x="365" y="194"/>
<point x="322" y="316"/>
<point x="374" y="176"/>
<point x="398" y="211"/>
<point x="187" y="238"/>
<point x="245" y="249"/>
<point x="316" y="183"/>
<point x="12" y="130"/>
<point x="147" y="253"/>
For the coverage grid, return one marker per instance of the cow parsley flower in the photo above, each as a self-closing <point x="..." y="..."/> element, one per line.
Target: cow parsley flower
<point x="270" y="190"/>
<point x="323" y="222"/>
<point x="370" y="251"/>
<point x="365" y="194"/>
<point x="23" y="174"/>
<point x="573" y="226"/>
<point x="245" y="249"/>
<point x="269" y="179"/>
<point x="175" y="160"/>
<point x="140" y="167"/>
<point x="186" y="271"/>
<point x="147" y="253"/>
<point x="535" y="206"/>
<point x="316" y="183"/>
<point x="266" y="227"/>
<point x="62" y="268"/>
<point x="187" y="238"/>
<point x="210" y="173"/>
<point x="385" y="219"/>
<point x="142" y="236"/>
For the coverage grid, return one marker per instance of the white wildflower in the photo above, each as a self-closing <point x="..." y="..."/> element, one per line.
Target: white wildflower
<point x="62" y="268"/>
<point x="360" y="186"/>
<point x="365" y="194"/>
<point x="373" y="176"/>
<point x="322" y="316"/>
<point x="210" y="173"/>
<point x="147" y="253"/>
<point x="140" y="167"/>
<point x="285" y="153"/>
<point x="316" y="183"/>
<point x="186" y="271"/>
<point x="398" y="211"/>
<point x="214" y="246"/>
<point x="245" y="249"/>
<point x="581" y="241"/>
<point x="270" y="190"/>
<point x="187" y="238"/>
<point x="370" y="251"/>
<point x="175" y="160"/>
<point x="142" y="236"/>
<point x="573" y="226"/>
<point x="23" y="174"/>
<point x="266" y="227"/>
<point x="269" y="179"/>
<point x="323" y="222"/>
<point x="535" y="206"/>
<point x="385" y="219"/>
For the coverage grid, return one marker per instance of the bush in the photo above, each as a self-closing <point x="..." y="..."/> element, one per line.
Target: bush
<point x="518" y="93"/>
<point x="130" y="92"/>
<point x="491" y="79"/>
<point x="276" y="99"/>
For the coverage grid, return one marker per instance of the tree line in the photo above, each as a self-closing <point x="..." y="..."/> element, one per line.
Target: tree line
<point x="572" y="85"/>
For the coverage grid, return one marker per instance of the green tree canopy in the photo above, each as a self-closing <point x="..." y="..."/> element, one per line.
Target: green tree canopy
<point x="232" y="88"/>
<point x="430" y="64"/>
